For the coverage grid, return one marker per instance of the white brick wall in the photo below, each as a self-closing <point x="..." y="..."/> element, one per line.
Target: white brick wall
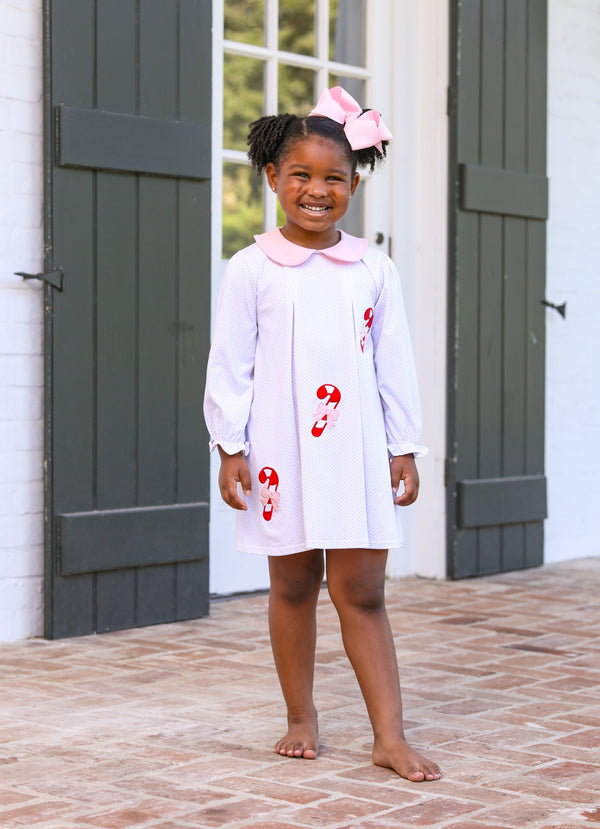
<point x="21" y="311"/>
<point x="573" y="274"/>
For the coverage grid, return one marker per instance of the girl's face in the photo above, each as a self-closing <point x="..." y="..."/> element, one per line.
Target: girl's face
<point x="314" y="183"/>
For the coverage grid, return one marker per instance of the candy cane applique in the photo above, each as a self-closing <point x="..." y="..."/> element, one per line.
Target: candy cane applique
<point x="269" y="497"/>
<point x="326" y="415"/>
<point x="364" y="331"/>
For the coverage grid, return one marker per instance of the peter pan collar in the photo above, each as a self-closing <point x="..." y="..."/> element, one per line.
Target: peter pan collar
<point x="281" y="250"/>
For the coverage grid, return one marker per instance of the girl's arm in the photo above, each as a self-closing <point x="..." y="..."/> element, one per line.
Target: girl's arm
<point x="230" y="377"/>
<point x="395" y="368"/>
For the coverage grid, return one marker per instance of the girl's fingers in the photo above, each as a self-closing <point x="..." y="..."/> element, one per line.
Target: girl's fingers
<point x="245" y="480"/>
<point x="239" y="503"/>
<point x="234" y="470"/>
<point x="231" y="497"/>
<point x="403" y="470"/>
<point x="411" y="490"/>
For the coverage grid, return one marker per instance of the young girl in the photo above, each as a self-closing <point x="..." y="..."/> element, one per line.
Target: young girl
<point x="312" y="402"/>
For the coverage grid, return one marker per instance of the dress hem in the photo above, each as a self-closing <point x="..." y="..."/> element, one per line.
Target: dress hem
<point x="338" y="545"/>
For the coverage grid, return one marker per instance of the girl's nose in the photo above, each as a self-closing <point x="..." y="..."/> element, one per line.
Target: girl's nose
<point x="317" y="187"/>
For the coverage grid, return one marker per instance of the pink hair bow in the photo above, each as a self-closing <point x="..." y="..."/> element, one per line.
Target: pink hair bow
<point x="363" y="129"/>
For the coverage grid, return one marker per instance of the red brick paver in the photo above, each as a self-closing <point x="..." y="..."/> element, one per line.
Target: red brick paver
<point x="172" y="726"/>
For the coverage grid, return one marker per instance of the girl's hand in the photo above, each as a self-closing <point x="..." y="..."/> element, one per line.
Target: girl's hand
<point x="403" y="468"/>
<point x="234" y="470"/>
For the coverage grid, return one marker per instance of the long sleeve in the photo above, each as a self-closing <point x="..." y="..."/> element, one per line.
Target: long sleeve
<point x="230" y="371"/>
<point x="395" y="368"/>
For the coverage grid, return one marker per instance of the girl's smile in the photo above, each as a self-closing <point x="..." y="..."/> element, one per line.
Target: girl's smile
<point x="314" y="183"/>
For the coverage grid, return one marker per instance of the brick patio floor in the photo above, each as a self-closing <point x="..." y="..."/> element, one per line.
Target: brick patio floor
<point x="173" y="726"/>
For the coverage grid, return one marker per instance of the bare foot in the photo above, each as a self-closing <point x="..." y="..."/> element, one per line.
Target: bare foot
<point x="404" y="760"/>
<point x="301" y="740"/>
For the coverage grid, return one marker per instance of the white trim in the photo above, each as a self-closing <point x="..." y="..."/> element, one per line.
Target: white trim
<point x="378" y="95"/>
<point x="223" y="558"/>
<point x="322" y="41"/>
<point x="419" y="231"/>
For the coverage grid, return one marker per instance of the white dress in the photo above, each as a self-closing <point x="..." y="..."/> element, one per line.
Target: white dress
<point x="311" y="375"/>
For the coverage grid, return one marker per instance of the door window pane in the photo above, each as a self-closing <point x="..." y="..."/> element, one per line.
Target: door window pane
<point x="243" y="82"/>
<point x="245" y="21"/>
<point x="242" y="207"/>
<point x="296" y="91"/>
<point x="297" y="26"/>
<point x="347" y="31"/>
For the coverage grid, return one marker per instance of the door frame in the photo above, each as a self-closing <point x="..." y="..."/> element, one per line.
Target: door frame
<point x="419" y="166"/>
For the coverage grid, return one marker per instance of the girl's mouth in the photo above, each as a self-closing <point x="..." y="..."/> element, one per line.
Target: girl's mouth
<point x="316" y="210"/>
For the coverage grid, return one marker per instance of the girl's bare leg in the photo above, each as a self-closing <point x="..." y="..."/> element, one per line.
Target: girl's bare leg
<point x="356" y="583"/>
<point x="295" y="584"/>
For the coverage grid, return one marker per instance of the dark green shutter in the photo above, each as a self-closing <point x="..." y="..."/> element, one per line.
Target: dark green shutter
<point x="128" y="220"/>
<point x="499" y="200"/>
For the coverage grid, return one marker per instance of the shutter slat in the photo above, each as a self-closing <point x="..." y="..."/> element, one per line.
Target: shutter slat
<point x="491" y="190"/>
<point x="490" y="502"/>
<point x="94" y="542"/>
<point x="132" y="143"/>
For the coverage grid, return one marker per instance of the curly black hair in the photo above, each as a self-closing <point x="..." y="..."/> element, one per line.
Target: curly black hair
<point x="272" y="137"/>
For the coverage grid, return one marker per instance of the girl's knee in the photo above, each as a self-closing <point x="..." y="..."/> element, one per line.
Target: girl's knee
<point x="356" y="580"/>
<point x="360" y="595"/>
<point x="296" y="579"/>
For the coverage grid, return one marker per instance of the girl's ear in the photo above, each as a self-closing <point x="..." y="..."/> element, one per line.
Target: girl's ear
<point x="271" y="174"/>
<point x="354" y="183"/>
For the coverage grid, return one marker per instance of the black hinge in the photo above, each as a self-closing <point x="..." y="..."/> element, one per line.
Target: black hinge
<point x="54" y="278"/>
<point x="562" y="309"/>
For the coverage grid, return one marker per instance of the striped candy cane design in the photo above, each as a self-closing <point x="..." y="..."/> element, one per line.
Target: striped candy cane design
<point x="269" y="497"/>
<point x="326" y="415"/>
<point x="364" y="331"/>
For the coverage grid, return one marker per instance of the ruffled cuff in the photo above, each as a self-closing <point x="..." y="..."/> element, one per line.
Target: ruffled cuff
<point x="407" y="449"/>
<point x="230" y="447"/>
